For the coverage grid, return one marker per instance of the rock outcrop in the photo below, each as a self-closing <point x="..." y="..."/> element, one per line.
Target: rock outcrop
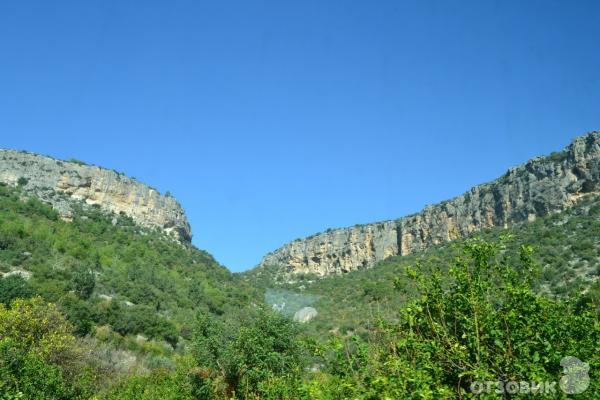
<point x="305" y="315"/>
<point x="60" y="183"/>
<point x="539" y="187"/>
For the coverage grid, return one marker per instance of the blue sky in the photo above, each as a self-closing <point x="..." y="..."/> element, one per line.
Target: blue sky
<point x="272" y="120"/>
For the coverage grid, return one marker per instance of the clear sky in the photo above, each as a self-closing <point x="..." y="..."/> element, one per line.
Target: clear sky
<point x="272" y="120"/>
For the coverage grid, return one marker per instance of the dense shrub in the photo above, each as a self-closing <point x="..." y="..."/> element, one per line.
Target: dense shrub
<point x="39" y="357"/>
<point x="84" y="282"/>
<point x="238" y="359"/>
<point x="13" y="287"/>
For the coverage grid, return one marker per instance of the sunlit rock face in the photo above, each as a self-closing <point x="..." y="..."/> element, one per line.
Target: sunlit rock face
<point x="542" y="186"/>
<point x="60" y="183"/>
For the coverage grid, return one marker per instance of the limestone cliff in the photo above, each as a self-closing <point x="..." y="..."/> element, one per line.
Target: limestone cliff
<point x="541" y="186"/>
<point x="62" y="182"/>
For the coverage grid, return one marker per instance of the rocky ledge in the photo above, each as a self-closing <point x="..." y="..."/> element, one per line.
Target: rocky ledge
<point x="60" y="183"/>
<point x="539" y="187"/>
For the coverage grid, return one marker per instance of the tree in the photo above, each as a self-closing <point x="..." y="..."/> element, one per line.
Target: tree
<point x="240" y="359"/>
<point x="84" y="282"/>
<point x="13" y="287"/>
<point x="79" y="313"/>
<point x="490" y="325"/>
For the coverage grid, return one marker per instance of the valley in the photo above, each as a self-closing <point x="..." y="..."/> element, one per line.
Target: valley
<point x="103" y="264"/>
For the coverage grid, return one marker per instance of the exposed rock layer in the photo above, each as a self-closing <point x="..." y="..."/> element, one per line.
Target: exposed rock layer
<point x="60" y="182"/>
<point x="539" y="187"/>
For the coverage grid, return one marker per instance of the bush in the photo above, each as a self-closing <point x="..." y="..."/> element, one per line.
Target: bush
<point x="159" y="384"/>
<point x="39" y="358"/>
<point x="481" y="321"/>
<point x="132" y="320"/>
<point x="84" y="282"/>
<point x="14" y="287"/>
<point x="240" y="359"/>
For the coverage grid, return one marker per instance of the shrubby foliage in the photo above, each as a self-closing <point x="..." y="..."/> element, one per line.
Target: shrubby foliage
<point x="39" y="357"/>
<point x="566" y="248"/>
<point x="140" y="317"/>
<point x="239" y="358"/>
<point x="101" y="269"/>
<point x="477" y="319"/>
<point x="481" y="321"/>
<point x="84" y="281"/>
<point x="14" y="287"/>
<point x="160" y="384"/>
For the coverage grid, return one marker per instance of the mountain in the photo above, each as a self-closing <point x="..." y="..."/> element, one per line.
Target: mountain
<point x="140" y="313"/>
<point x="60" y="183"/>
<point x="111" y="252"/>
<point x="566" y="249"/>
<point x="540" y="187"/>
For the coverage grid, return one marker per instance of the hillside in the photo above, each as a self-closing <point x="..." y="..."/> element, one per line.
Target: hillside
<point x="566" y="249"/>
<point x="541" y="186"/>
<point x="96" y="304"/>
<point x="104" y="270"/>
<point x="141" y="282"/>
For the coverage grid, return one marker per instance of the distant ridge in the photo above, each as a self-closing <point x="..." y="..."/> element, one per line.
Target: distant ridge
<point x="542" y="186"/>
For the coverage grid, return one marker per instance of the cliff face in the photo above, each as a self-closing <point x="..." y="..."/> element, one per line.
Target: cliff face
<point x="542" y="186"/>
<point x="61" y="182"/>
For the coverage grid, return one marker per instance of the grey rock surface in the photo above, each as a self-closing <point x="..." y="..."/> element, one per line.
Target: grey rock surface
<point x="18" y="272"/>
<point x="61" y="182"/>
<point x="542" y="186"/>
<point x="305" y="315"/>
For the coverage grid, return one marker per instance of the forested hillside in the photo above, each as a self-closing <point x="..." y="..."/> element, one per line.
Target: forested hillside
<point x="567" y="251"/>
<point x="107" y="273"/>
<point x="100" y="308"/>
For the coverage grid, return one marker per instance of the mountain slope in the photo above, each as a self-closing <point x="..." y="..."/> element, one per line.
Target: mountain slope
<point x="104" y="269"/>
<point x="566" y="248"/>
<point x="158" y="318"/>
<point x="540" y="187"/>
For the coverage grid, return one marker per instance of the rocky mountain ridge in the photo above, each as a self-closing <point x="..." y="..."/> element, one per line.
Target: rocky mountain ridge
<point x="542" y="186"/>
<point x="61" y="183"/>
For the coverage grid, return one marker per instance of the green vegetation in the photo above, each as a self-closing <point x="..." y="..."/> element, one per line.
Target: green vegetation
<point x="99" y="309"/>
<point x="39" y="357"/>
<point x="240" y="357"/>
<point x="567" y="248"/>
<point x="477" y="319"/>
<point x="134" y="282"/>
<point x="83" y="282"/>
<point x="14" y="287"/>
<point x="76" y="161"/>
<point x="558" y="156"/>
<point x="22" y="181"/>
